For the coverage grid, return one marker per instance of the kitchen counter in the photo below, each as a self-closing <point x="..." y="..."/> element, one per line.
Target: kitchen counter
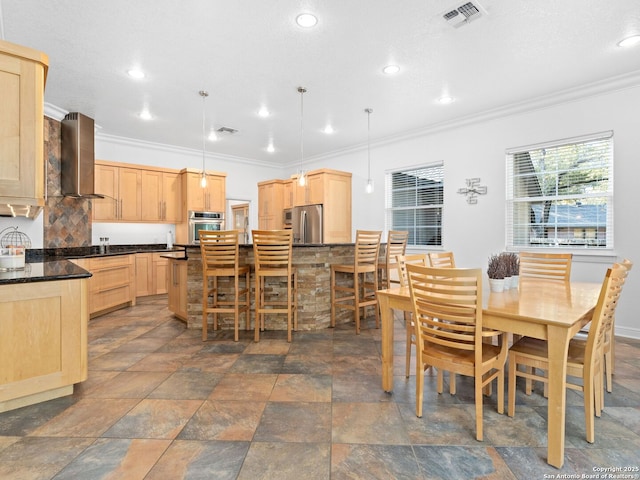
<point x="40" y="255"/>
<point x="43" y="272"/>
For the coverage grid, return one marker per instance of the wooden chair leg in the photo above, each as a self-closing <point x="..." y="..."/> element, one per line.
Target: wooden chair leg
<point x="419" y="388"/>
<point x="478" y="400"/>
<point x="333" y="298"/>
<point x="511" y="401"/>
<point x="407" y="328"/>
<point x="356" y="300"/>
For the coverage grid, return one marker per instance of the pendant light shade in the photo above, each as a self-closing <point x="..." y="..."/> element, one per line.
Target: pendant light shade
<point x="369" y="187"/>
<point x="203" y="179"/>
<point x="302" y="179"/>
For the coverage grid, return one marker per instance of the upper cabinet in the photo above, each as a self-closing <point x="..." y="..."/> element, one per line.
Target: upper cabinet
<point x="134" y="193"/>
<point x="331" y="188"/>
<point x="23" y="74"/>
<point x="211" y="198"/>
<point x="270" y="204"/>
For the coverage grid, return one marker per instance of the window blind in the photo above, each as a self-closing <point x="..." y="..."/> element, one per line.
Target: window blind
<point x="414" y="199"/>
<point x="560" y="194"/>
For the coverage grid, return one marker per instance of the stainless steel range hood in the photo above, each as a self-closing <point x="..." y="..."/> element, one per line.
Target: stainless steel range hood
<point x="78" y="157"/>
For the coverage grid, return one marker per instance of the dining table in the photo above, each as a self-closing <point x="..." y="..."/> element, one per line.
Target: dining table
<point x="552" y="310"/>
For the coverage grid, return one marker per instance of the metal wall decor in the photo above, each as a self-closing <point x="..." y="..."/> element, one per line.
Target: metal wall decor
<point x="472" y="190"/>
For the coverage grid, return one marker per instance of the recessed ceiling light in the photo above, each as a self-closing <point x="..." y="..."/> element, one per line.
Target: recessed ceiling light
<point x="145" y="114"/>
<point x="391" y="69"/>
<point x="446" y="99"/>
<point x="136" y="73"/>
<point x="629" y="41"/>
<point x="270" y="148"/>
<point x="328" y="130"/>
<point x="212" y="136"/>
<point x="263" y="112"/>
<point x="306" y="20"/>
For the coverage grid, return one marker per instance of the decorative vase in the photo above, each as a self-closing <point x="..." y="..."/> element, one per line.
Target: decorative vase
<point x="496" y="284"/>
<point x="515" y="281"/>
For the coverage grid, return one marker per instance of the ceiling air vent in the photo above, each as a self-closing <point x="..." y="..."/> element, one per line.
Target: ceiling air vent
<point x="463" y="14"/>
<point x="227" y="130"/>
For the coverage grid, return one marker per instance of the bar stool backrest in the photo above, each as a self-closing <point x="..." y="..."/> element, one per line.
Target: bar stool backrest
<point x="219" y="249"/>
<point x="367" y="248"/>
<point x="272" y="250"/>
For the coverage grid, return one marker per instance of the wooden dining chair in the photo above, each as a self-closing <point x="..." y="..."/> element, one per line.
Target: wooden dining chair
<point x="447" y="309"/>
<point x="360" y="291"/>
<point x="442" y="260"/>
<point x="272" y="255"/>
<point x="609" y="342"/>
<point x="585" y="359"/>
<point x="396" y="245"/>
<point x="555" y="266"/>
<point x="220" y="258"/>
<point x="401" y="264"/>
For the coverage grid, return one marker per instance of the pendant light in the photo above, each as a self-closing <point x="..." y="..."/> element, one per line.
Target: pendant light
<point x="369" y="187"/>
<point x="203" y="180"/>
<point x="302" y="180"/>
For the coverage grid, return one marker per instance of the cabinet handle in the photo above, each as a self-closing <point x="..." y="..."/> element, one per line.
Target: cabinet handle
<point x="120" y="208"/>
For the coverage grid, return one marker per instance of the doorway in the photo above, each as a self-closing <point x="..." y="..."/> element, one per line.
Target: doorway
<point x="238" y="214"/>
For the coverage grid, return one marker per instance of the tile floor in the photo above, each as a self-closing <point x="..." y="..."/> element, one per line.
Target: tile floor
<point x="161" y="404"/>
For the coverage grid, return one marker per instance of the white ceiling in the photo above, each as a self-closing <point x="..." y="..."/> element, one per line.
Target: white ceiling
<point x="250" y="53"/>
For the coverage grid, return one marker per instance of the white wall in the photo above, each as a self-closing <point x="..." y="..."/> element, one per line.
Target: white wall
<point x="477" y="149"/>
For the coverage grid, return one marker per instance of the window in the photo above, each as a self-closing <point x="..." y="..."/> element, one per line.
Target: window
<point x="413" y="202"/>
<point x="560" y="194"/>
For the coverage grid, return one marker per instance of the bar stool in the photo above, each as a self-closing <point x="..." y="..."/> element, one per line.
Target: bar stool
<point x="272" y="252"/>
<point x="396" y="245"/>
<point x="362" y="293"/>
<point x="219" y="251"/>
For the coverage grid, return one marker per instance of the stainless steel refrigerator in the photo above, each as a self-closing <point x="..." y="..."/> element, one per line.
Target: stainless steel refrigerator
<point x="307" y="224"/>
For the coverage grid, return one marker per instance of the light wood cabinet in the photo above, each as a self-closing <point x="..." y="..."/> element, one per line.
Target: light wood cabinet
<point x="43" y="346"/>
<point x="161" y="196"/>
<point x="113" y="282"/>
<point x="177" y="287"/>
<point x="208" y="199"/>
<point x="23" y="74"/>
<point x="136" y="194"/>
<point x="151" y="274"/>
<point x="270" y="204"/>
<point x="122" y="191"/>
<point x="331" y="188"/>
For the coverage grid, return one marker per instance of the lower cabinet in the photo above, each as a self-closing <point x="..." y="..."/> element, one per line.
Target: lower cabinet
<point x="177" y="286"/>
<point x="43" y="341"/>
<point x="151" y="274"/>
<point x="113" y="282"/>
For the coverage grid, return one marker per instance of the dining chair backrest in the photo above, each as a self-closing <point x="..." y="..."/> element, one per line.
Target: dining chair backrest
<point x="442" y="260"/>
<point x="603" y="315"/>
<point x="272" y="250"/>
<point x="219" y="249"/>
<point x="367" y="248"/>
<point x="396" y="245"/>
<point x="447" y="306"/>
<point x="556" y="266"/>
<point x="414" y="259"/>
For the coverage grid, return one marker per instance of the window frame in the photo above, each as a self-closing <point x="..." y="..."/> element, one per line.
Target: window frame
<point x="417" y="231"/>
<point x="596" y="239"/>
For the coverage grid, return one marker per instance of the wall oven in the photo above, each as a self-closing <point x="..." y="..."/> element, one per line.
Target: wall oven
<point x="204" y="221"/>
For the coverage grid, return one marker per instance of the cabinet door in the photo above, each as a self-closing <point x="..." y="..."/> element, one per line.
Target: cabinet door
<point x="194" y="194"/>
<point x="287" y="194"/>
<point x="177" y="287"/>
<point x="130" y="194"/>
<point x="151" y="208"/>
<point x="106" y="182"/>
<point x="171" y="198"/>
<point x="159" y="274"/>
<point x="215" y="194"/>
<point x="22" y="170"/>
<point x="144" y="284"/>
<point x="315" y="189"/>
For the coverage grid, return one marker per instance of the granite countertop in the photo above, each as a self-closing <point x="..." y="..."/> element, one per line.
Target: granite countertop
<point x="47" y="254"/>
<point x="43" y="272"/>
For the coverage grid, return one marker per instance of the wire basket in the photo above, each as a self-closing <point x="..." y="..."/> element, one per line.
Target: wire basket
<point x="14" y="238"/>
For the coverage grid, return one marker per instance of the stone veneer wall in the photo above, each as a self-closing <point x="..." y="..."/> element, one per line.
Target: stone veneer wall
<point x="67" y="220"/>
<point x="314" y="288"/>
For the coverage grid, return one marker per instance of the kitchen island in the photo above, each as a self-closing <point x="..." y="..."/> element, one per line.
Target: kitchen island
<point x="312" y="262"/>
<point x="43" y="332"/>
